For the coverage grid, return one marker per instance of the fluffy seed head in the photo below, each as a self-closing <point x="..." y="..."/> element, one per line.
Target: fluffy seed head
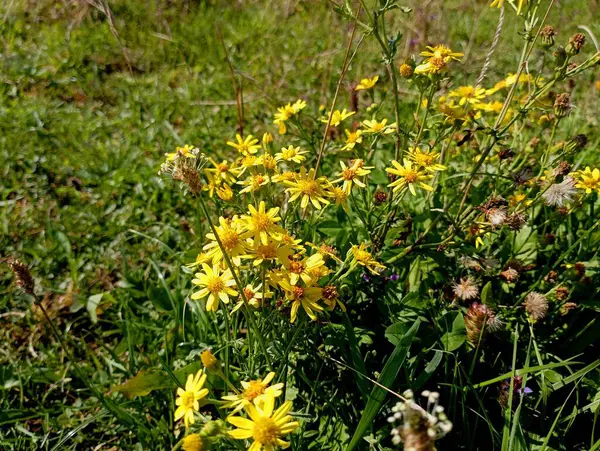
<point x="536" y="306"/>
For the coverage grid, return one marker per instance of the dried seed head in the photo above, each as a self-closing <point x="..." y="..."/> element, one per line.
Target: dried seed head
<point x="330" y="293"/>
<point x="562" y="105"/>
<point x="22" y="274"/>
<point x="536" y="306"/>
<point x="575" y="44"/>
<point x="558" y="194"/>
<point x="523" y="176"/>
<point x="380" y="197"/>
<point x="506" y="154"/>
<point x="516" y="221"/>
<point x="466" y="289"/>
<point x="511" y="275"/>
<point x="496" y="216"/>
<point x="548" y="34"/>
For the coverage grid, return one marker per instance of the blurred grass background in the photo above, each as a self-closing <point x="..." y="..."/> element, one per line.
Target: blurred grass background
<point x="90" y="100"/>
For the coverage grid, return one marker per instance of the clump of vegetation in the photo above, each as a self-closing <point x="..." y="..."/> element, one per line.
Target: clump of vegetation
<point x="432" y="232"/>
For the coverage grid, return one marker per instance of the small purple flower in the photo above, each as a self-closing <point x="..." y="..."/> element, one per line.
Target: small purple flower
<point x="394" y="277"/>
<point x="366" y="277"/>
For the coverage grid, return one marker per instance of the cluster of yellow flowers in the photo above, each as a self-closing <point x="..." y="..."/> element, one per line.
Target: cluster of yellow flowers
<point x="264" y="424"/>
<point x="259" y="238"/>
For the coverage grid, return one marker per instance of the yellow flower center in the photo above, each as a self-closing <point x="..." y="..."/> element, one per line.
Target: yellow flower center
<point x="215" y="284"/>
<point x="423" y="159"/>
<point x="362" y="256"/>
<point x="230" y="238"/>
<point x="298" y="292"/>
<point x="288" y="154"/>
<point x="223" y="167"/>
<point x="266" y="252"/>
<point x="296" y="267"/>
<point x="349" y="174"/>
<point x="262" y="221"/>
<point x="249" y="293"/>
<point x="265" y="431"/>
<point x="243" y="148"/>
<point x="377" y="126"/>
<point x="438" y="63"/>
<point x="187" y="400"/>
<point x="255" y="389"/>
<point x="411" y="176"/>
<point x="308" y="187"/>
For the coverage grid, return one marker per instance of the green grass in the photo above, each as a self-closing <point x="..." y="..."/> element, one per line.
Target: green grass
<point x="86" y="114"/>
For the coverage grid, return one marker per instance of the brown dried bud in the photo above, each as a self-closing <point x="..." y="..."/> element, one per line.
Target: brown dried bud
<point x="536" y="306"/>
<point x="551" y="277"/>
<point x="506" y="154"/>
<point x="22" y="274"/>
<point x="330" y="293"/>
<point x="549" y="238"/>
<point x="562" y="105"/>
<point x="577" y="143"/>
<point x="561" y="293"/>
<point x="563" y="168"/>
<point x="548" y="34"/>
<point x="579" y="269"/>
<point x="575" y="44"/>
<point x="511" y="275"/>
<point x="567" y="307"/>
<point x="380" y="197"/>
<point x="516" y="221"/>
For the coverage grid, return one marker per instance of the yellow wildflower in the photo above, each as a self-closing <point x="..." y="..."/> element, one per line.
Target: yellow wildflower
<point x="340" y="196"/>
<point x="408" y="176"/>
<point x="245" y="146"/>
<point x="364" y="258"/>
<point x="285" y="112"/>
<point x="468" y="94"/>
<point x="254" y="183"/>
<point x="230" y="233"/>
<point x="338" y="116"/>
<point x="437" y="59"/>
<point x="185" y="151"/>
<point x="309" y="188"/>
<point x="428" y="160"/>
<point x="352" y="139"/>
<point x="192" y="442"/>
<point x="223" y="171"/>
<point x="262" y="224"/>
<point x="265" y="427"/>
<point x="188" y="398"/>
<point x="255" y="392"/>
<point x="304" y="268"/>
<point x="214" y="284"/>
<point x="374" y="126"/>
<point x="291" y="153"/>
<point x="589" y="180"/>
<point x="253" y="296"/>
<point x="367" y="83"/>
<point x="300" y="296"/>
<point x="351" y="174"/>
<point x="224" y="192"/>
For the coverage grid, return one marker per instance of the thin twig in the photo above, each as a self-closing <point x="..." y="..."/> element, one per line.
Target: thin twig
<point x="239" y="99"/>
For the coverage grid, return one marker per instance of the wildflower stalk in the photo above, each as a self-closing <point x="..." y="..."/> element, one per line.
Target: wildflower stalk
<point x="247" y="311"/>
<point x="345" y="65"/>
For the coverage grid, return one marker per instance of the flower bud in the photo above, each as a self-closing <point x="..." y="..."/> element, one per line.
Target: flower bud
<point x="210" y="362"/>
<point x="406" y="71"/>
<point x="192" y="442"/>
<point x="23" y="277"/>
<point x="577" y="143"/>
<point x="380" y="197"/>
<point x="560" y="56"/>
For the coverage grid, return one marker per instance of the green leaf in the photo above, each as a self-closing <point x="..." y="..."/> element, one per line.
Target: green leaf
<point x="148" y="380"/>
<point x="486" y="295"/>
<point x="454" y="325"/>
<point x="386" y="379"/>
<point x="92" y="306"/>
